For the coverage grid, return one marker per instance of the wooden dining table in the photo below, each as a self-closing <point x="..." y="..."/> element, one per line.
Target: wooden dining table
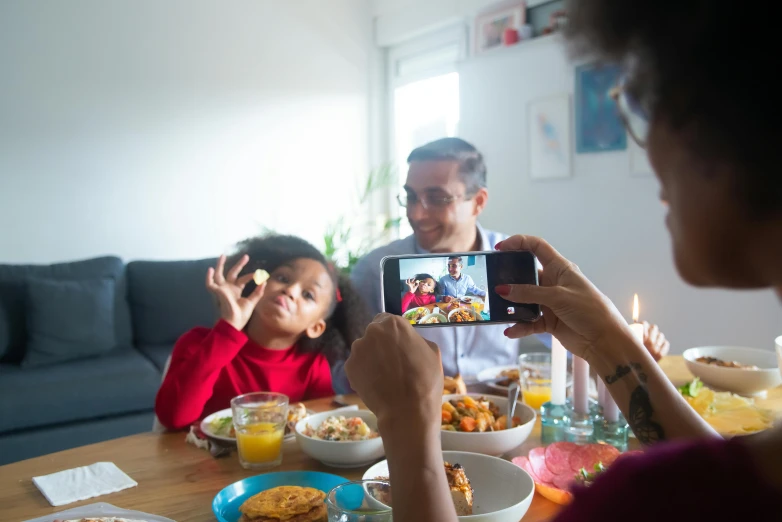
<point x="178" y="480"/>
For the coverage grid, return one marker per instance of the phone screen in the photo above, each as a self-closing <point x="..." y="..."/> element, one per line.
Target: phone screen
<point x="457" y="289"/>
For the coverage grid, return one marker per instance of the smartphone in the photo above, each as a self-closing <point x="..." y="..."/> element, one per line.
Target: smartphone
<point x="434" y="290"/>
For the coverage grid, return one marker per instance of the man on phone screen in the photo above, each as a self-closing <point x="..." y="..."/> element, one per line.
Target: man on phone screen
<point x="444" y="194"/>
<point x="456" y="284"/>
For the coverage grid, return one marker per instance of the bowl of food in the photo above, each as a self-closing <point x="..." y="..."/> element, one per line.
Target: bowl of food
<point x="478" y="424"/>
<point x="416" y="314"/>
<point x="462" y="315"/>
<point x="483" y="488"/>
<point x="341" y="441"/>
<point x="745" y="371"/>
<point x="433" y="318"/>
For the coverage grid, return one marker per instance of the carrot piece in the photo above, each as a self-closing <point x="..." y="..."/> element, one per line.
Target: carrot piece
<point x="447" y="417"/>
<point x="468" y="424"/>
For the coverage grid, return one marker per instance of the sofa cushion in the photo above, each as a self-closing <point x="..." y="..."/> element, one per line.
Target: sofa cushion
<point x="168" y="298"/>
<point x="13" y="295"/>
<point x="4" y="332"/>
<point x="157" y="353"/>
<point x="122" y="381"/>
<point x="68" y="320"/>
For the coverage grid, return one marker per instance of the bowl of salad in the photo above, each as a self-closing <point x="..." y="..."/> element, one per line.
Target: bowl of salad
<point x="341" y="441"/>
<point x="478" y="424"/>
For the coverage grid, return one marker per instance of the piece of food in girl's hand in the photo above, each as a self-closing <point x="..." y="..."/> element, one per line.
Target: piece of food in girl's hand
<point x="260" y="276"/>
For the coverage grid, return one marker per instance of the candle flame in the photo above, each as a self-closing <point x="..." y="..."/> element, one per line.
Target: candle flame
<point x="635" y="308"/>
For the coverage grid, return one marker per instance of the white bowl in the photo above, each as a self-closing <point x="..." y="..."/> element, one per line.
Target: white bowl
<point x="736" y="380"/>
<point x="468" y="310"/>
<point x="501" y="493"/>
<point x="343" y="454"/>
<point x="441" y="317"/>
<point x="410" y="312"/>
<point x="494" y="443"/>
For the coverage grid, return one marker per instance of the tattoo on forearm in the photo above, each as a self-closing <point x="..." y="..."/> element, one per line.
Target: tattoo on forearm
<point x="640" y="410"/>
<point x="621" y="371"/>
<point x="640" y="418"/>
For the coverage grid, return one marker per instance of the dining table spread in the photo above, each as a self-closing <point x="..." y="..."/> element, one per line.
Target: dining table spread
<point x="178" y="480"/>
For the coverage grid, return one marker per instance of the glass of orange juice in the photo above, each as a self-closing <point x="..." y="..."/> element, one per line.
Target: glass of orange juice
<point x="259" y="421"/>
<point x="535" y="377"/>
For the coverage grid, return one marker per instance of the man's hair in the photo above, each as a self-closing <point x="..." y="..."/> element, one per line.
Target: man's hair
<point x="689" y="66"/>
<point x="472" y="168"/>
<point x="457" y="258"/>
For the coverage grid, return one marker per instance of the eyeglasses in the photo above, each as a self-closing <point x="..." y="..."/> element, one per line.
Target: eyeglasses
<point x="428" y="201"/>
<point x="632" y="112"/>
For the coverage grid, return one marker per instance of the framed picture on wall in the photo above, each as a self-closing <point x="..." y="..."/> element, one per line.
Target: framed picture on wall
<point x="490" y="25"/>
<point x="548" y="127"/>
<point x="599" y="127"/>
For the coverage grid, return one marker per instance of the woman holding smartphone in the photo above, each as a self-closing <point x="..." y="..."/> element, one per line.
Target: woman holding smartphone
<point x="711" y="133"/>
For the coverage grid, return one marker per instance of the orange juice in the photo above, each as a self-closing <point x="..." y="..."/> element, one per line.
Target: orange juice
<point x="260" y="443"/>
<point x="478" y="307"/>
<point x="536" y="396"/>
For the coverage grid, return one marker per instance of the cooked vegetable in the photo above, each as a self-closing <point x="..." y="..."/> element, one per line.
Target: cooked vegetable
<point x="469" y="414"/>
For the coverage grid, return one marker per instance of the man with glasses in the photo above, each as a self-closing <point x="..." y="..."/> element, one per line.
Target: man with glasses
<point x="456" y="284"/>
<point x="444" y="194"/>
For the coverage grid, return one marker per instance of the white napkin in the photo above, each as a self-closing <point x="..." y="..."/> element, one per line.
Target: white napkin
<point x="82" y="483"/>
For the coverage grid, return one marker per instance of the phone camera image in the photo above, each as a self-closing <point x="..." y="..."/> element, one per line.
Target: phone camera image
<point x="455" y="289"/>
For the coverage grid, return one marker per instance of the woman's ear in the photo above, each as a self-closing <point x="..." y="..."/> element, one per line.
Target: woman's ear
<point x="316" y="330"/>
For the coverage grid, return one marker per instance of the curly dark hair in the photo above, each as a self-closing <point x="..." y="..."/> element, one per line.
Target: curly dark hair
<point x="346" y="320"/>
<point x="421" y="277"/>
<point x="472" y="168"/>
<point x="694" y="64"/>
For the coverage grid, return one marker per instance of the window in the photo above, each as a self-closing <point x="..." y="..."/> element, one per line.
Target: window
<point x="424" y="88"/>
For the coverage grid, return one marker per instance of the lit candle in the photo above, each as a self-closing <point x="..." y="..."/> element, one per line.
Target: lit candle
<point x="637" y="328"/>
<point x="580" y="385"/>
<point x="558" y="372"/>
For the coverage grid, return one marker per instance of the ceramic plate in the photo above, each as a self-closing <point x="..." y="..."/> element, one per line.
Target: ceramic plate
<point x="227" y="413"/>
<point x="225" y="505"/>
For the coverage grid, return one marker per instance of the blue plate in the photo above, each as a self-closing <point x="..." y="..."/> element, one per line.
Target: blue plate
<point x="226" y="504"/>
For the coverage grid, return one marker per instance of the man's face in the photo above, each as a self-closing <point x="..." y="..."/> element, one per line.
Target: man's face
<point x="441" y="227"/>
<point x="455" y="268"/>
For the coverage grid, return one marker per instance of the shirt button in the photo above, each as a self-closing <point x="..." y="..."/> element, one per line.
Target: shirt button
<point x="462" y="356"/>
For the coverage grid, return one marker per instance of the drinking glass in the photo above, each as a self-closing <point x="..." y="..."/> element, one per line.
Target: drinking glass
<point x="360" y="501"/>
<point x="535" y="377"/>
<point x="259" y="420"/>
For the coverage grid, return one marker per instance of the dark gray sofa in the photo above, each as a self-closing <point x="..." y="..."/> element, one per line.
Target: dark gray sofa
<point x="51" y="407"/>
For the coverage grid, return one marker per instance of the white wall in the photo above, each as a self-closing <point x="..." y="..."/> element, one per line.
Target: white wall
<point x="172" y="129"/>
<point x="608" y="222"/>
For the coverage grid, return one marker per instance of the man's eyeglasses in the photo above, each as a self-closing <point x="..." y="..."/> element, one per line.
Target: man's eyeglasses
<point x="428" y="201"/>
<point x="632" y="112"/>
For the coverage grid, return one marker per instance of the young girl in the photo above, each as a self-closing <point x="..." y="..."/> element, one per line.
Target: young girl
<point x="422" y="292"/>
<point x="279" y="336"/>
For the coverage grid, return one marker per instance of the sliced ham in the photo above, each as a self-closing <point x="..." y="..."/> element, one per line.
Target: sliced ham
<point x="558" y="457"/>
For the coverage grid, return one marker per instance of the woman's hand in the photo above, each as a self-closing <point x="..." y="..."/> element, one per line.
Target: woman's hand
<point x="655" y="341"/>
<point x="574" y="310"/>
<point x="234" y="309"/>
<point x="398" y="374"/>
<point x="412" y="284"/>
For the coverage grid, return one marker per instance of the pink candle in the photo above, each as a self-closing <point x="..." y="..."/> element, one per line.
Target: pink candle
<point x="610" y="409"/>
<point x="580" y="385"/>
<point x="601" y="391"/>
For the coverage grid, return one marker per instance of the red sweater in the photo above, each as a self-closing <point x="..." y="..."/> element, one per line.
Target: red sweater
<point x="411" y="300"/>
<point x="210" y="367"/>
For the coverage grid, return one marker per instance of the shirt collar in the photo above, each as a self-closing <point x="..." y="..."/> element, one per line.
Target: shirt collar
<point x="481" y="234"/>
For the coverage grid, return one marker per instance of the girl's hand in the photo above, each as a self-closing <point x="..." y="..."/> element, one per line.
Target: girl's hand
<point x="412" y="284"/>
<point x="655" y="341"/>
<point x="574" y="310"/>
<point x="234" y="309"/>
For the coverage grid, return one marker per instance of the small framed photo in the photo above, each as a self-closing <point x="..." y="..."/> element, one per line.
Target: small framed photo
<point x="490" y="25"/>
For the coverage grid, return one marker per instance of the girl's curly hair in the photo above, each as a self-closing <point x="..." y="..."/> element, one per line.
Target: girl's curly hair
<point x="346" y="319"/>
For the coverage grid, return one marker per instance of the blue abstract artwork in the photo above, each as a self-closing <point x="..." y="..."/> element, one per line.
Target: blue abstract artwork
<point x="599" y="127"/>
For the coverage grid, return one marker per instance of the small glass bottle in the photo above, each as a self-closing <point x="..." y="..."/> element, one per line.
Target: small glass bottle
<point x="554" y="420"/>
<point x="613" y="433"/>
